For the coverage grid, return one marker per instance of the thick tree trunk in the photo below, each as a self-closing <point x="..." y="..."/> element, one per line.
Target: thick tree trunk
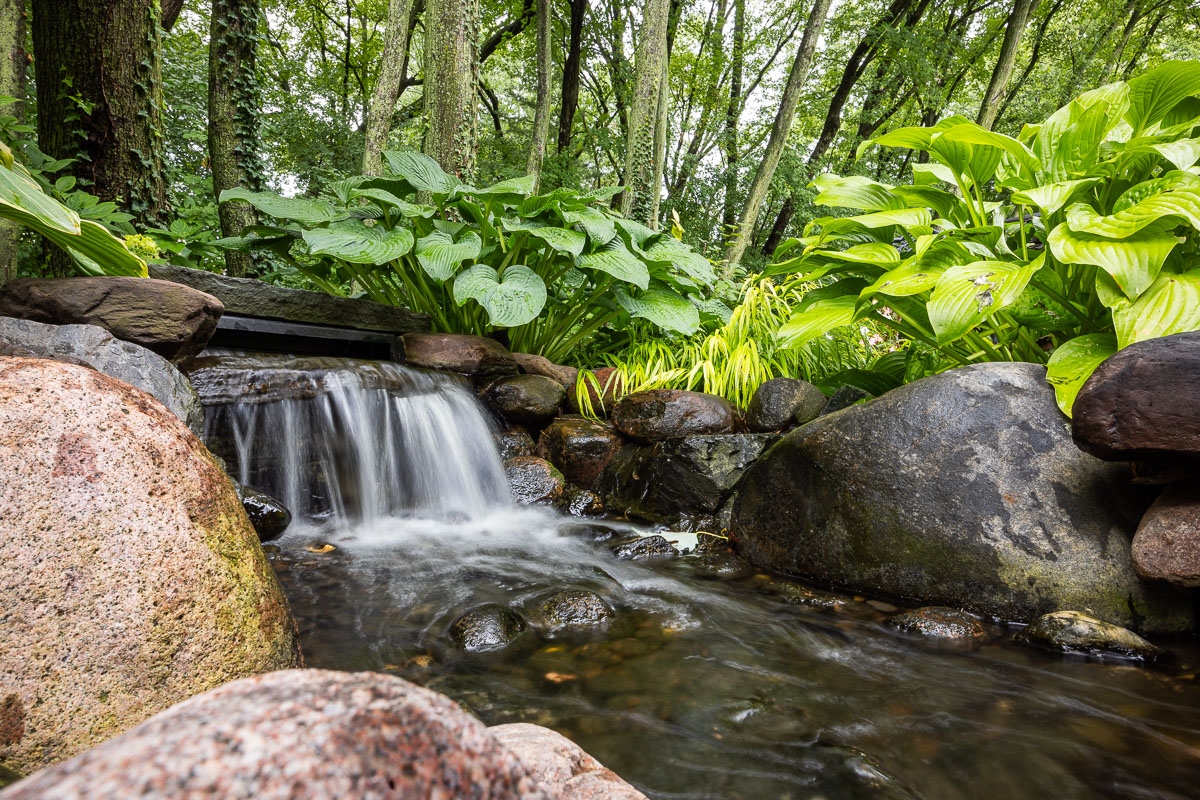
<point x="451" y="80"/>
<point x="387" y="86"/>
<point x="1014" y="29"/>
<point x="12" y="83"/>
<point x="233" y="105"/>
<point x="729" y="137"/>
<point x="570" y="79"/>
<point x="541" y="113"/>
<point x="780" y="130"/>
<point x="111" y="118"/>
<point x="649" y="60"/>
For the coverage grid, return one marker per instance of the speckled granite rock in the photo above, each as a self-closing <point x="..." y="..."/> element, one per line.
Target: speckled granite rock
<point x="300" y="735"/>
<point x="131" y="577"/>
<point x="563" y="769"/>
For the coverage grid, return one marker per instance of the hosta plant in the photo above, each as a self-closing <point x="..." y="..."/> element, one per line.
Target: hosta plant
<point x="552" y="268"/>
<point x="1060" y="246"/>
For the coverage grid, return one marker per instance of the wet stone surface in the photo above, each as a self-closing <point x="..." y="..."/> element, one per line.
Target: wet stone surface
<point x="571" y="609"/>
<point x="489" y="627"/>
<point x="940" y="623"/>
<point x="648" y="548"/>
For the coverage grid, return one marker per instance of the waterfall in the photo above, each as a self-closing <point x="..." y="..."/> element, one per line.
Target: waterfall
<point x="343" y="441"/>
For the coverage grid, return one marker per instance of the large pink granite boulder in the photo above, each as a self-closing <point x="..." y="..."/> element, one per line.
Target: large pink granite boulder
<point x="561" y="767"/>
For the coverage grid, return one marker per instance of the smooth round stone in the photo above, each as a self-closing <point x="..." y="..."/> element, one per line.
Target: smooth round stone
<point x="269" y="517"/>
<point x="572" y="609"/>
<point x="533" y="480"/>
<point x="941" y="623"/>
<point x="525" y="399"/>
<point x="658" y="414"/>
<point x="487" y="628"/>
<point x="1074" y="633"/>
<point x="782" y="402"/>
<point x="721" y="567"/>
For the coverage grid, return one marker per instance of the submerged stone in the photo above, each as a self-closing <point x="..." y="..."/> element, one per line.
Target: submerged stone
<point x="487" y="628"/>
<point x="1074" y="633"/>
<point x="572" y="609"/>
<point x="720" y="567"/>
<point x="646" y="548"/>
<point x="939" y="622"/>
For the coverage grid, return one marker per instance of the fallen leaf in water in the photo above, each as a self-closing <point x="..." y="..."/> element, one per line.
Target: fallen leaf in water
<point x="320" y="548"/>
<point x="421" y="661"/>
<point x="558" y="677"/>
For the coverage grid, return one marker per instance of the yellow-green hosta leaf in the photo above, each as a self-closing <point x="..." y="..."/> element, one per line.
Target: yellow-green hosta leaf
<point x="1022" y="157"/>
<point x="908" y="279"/>
<point x="1052" y="196"/>
<point x="1182" y="153"/>
<point x="1155" y="92"/>
<point x="304" y="210"/>
<point x="440" y="256"/>
<point x="665" y="309"/>
<point x="818" y="319"/>
<point x="854" y="191"/>
<point x="914" y="137"/>
<point x="1183" y="204"/>
<point x="1107" y="291"/>
<point x="1133" y="262"/>
<point x="966" y="295"/>
<point x="358" y="243"/>
<point x="1171" y="305"/>
<point x="877" y="253"/>
<point x="22" y="193"/>
<point x="615" y="259"/>
<point x="1175" y="179"/>
<point x="515" y="300"/>
<point x="908" y="217"/>
<point x="1074" y="362"/>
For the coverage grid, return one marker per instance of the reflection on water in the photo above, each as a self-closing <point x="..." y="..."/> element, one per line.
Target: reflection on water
<point x="703" y="689"/>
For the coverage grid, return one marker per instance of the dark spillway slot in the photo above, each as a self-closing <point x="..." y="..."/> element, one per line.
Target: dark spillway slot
<point x="253" y="333"/>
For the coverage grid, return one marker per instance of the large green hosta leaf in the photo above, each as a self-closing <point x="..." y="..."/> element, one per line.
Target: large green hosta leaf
<point x="515" y="300"/>
<point x="513" y="190"/>
<point x="385" y="199"/>
<point x="300" y="209"/>
<point x="967" y="295"/>
<point x="854" y="191"/>
<point x="599" y="227"/>
<point x="1052" y="196"/>
<point x="912" y="277"/>
<point x="913" y="138"/>
<point x="665" y="309"/>
<point x="563" y="240"/>
<point x="421" y="172"/>
<point x="1024" y="164"/>
<point x="440" y="256"/>
<point x="1183" y="204"/>
<point x="1037" y="310"/>
<point x="1175" y="179"/>
<point x="1154" y="93"/>
<point x="1133" y="262"/>
<point x="615" y="259"/>
<point x="1074" y="362"/>
<point x="670" y="250"/>
<point x="358" y="243"/>
<point x="1171" y="305"/>
<point x="820" y="318"/>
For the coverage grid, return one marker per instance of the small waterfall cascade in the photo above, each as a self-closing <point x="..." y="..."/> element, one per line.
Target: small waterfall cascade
<point x="344" y="441"/>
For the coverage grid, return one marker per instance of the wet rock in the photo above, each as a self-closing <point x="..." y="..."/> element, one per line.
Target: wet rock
<point x="562" y="769"/>
<point x="301" y="734"/>
<point x="458" y="352"/>
<point x="581" y="502"/>
<point x="131" y="576"/>
<point x="532" y="364"/>
<point x="487" y="628"/>
<point x="658" y="414"/>
<point x="988" y="505"/>
<point x="1078" y="634"/>
<point x="604" y="388"/>
<point x="783" y="402"/>
<point x="269" y="517"/>
<point x="513" y="442"/>
<point x="99" y="349"/>
<point x="168" y="318"/>
<point x="525" y="399"/>
<point x="939" y="622"/>
<point x="533" y="480"/>
<point x="1166" y="546"/>
<point x="580" y="447"/>
<point x="721" y="567"/>
<point x="572" y="609"/>
<point x="591" y="533"/>
<point x="1143" y="401"/>
<point x="646" y="548"/>
<point x="845" y="396"/>
<point x="679" y="479"/>
<point x="800" y="595"/>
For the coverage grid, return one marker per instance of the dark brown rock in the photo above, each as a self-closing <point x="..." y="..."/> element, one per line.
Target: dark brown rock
<point x="1167" y="543"/>
<point x="300" y="734"/>
<point x="533" y="480"/>
<point x="783" y="402"/>
<point x="721" y="566"/>
<point x="525" y="399"/>
<point x="459" y="352"/>
<point x="939" y="622"/>
<point x="581" y="502"/>
<point x="168" y="318"/>
<point x="562" y="769"/>
<point x="486" y="628"/>
<point x="604" y="388"/>
<point x="581" y="448"/>
<point x="513" y="442"/>
<point x="571" y="609"/>
<point x="532" y="364"/>
<point x="132" y="578"/>
<point x="1144" y="401"/>
<point x="659" y="414"/>
<point x="269" y="517"/>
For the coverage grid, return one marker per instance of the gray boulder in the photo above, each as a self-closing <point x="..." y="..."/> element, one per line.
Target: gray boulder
<point x="963" y="489"/>
<point x="1078" y="634"/>
<point x="525" y="399"/>
<point x="103" y="352"/>
<point x="783" y="402"/>
<point x="658" y="414"/>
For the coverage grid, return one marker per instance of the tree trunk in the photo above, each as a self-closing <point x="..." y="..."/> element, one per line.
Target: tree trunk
<point x="687" y="164"/>
<point x="541" y="113"/>
<point x="661" y="116"/>
<point x="233" y="106"/>
<point x="729" y="142"/>
<point x="570" y="79"/>
<point x="111" y="117"/>
<point x="170" y="13"/>
<point x="1014" y="28"/>
<point x="649" y="63"/>
<point x="779" y="228"/>
<point x="1077" y="74"/>
<point x="451" y="79"/>
<point x="780" y="130"/>
<point x="387" y="86"/>
<point x="12" y="83"/>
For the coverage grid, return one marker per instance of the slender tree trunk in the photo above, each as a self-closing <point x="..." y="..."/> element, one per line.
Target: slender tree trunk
<point x="170" y="13"/>
<point x="649" y="62"/>
<point x="387" y="86"/>
<point x="1034" y="56"/>
<point x="233" y="106"/>
<point x="729" y="137"/>
<point x="110" y="120"/>
<point x="451" y="77"/>
<point x="12" y="83"/>
<point x="541" y="114"/>
<point x="1072" y="84"/>
<point x="1014" y="29"/>
<point x="570" y="79"/>
<point x="662" y="118"/>
<point x="1146" y="39"/>
<point x="780" y="130"/>
<point x="1110" y="64"/>
<point x="687" y="164"/>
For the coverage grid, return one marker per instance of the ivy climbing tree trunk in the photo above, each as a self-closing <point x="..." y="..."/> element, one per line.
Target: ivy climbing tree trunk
<point x="780" y="130"/>
<point x="541" y="113"/>
<point x="233" y="106"/>
<point x="12" y="83"/>
<point x="451" y="80"/>
<point x="387" y="85"/>
<point x="1014" y="29"/>
<point x="110" y="118"/>
<point x="648" y="66"/>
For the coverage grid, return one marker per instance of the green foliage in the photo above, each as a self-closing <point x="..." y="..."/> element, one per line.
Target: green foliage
<point x="1061" y="245"/>
<point x="550" y="269"/>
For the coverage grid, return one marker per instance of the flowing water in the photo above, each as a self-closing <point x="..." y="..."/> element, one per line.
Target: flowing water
<point x="754" y="688"/>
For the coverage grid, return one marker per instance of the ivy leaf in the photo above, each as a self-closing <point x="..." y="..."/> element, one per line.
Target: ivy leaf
<point x="1074" y="362"/>
<point x="665" y="309"/>
<point x="440" y="256"/>
<point x="615" y="259"/>
<point x="359" y="243"/>
<point x="515" y="300"/>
